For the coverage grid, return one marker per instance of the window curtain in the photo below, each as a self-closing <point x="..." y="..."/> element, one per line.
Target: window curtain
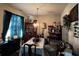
<point x="16" y="26"/>
<point x="6" y="22"/>
<point x="22" y="21"/>
<point x="12" y="25"/>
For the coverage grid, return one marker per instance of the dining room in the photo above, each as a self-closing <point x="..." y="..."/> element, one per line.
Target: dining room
<point x="39" y="29"/>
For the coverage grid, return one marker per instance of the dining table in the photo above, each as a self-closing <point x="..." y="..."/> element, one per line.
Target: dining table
<point x="39" y="46"/>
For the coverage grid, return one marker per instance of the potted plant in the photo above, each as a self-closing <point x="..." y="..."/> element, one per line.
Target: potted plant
<point x="67" y="21"/>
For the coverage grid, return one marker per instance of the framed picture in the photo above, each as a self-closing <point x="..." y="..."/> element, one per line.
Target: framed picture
<point x="76" y="29"/>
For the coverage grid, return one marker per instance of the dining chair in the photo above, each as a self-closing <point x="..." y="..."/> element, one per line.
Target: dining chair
<point x="29" y="52"/>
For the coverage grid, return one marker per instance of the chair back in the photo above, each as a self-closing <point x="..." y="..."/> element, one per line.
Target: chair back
<point x="30" y="53"/>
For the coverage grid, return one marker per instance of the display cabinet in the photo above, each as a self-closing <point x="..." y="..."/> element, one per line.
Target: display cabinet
<point x="29" y="30"/>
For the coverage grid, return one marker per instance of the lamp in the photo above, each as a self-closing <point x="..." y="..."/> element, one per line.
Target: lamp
<point x="35" y="23"/>
<point x="15" y="36"/>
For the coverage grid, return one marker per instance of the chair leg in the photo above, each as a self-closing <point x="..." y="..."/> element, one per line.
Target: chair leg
<point x="24" y="51"/>
<point x="29" y="51"/>
<point x="35" y="51"/>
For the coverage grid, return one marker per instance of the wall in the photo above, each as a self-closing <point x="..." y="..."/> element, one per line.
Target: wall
<point x="48" y="19"/>
<point x="11" y="9"/>
<point x="68" y="35"/>
<point x="66" y="11"/>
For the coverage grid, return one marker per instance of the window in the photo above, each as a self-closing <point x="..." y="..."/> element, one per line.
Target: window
<point x="15" y="28"/>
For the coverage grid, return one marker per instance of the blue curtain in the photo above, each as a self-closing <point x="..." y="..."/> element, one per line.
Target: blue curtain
<point x="16" y="26"/>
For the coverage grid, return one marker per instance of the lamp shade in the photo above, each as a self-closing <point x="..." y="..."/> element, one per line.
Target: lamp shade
<point x="15" y="36"/>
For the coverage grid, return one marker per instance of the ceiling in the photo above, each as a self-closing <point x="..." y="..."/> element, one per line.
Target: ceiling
<point x="44" y="8"/>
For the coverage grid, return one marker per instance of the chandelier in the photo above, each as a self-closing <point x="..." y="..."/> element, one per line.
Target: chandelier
<point x="35" y="24"/>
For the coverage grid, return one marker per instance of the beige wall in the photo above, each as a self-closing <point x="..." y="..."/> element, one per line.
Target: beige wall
<point x="48" y="19"/>
<point x="11" y="9"/>
<point x="68" y="35"/>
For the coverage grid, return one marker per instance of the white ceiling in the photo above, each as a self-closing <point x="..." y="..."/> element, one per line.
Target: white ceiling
<point x="44" y="8"/>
